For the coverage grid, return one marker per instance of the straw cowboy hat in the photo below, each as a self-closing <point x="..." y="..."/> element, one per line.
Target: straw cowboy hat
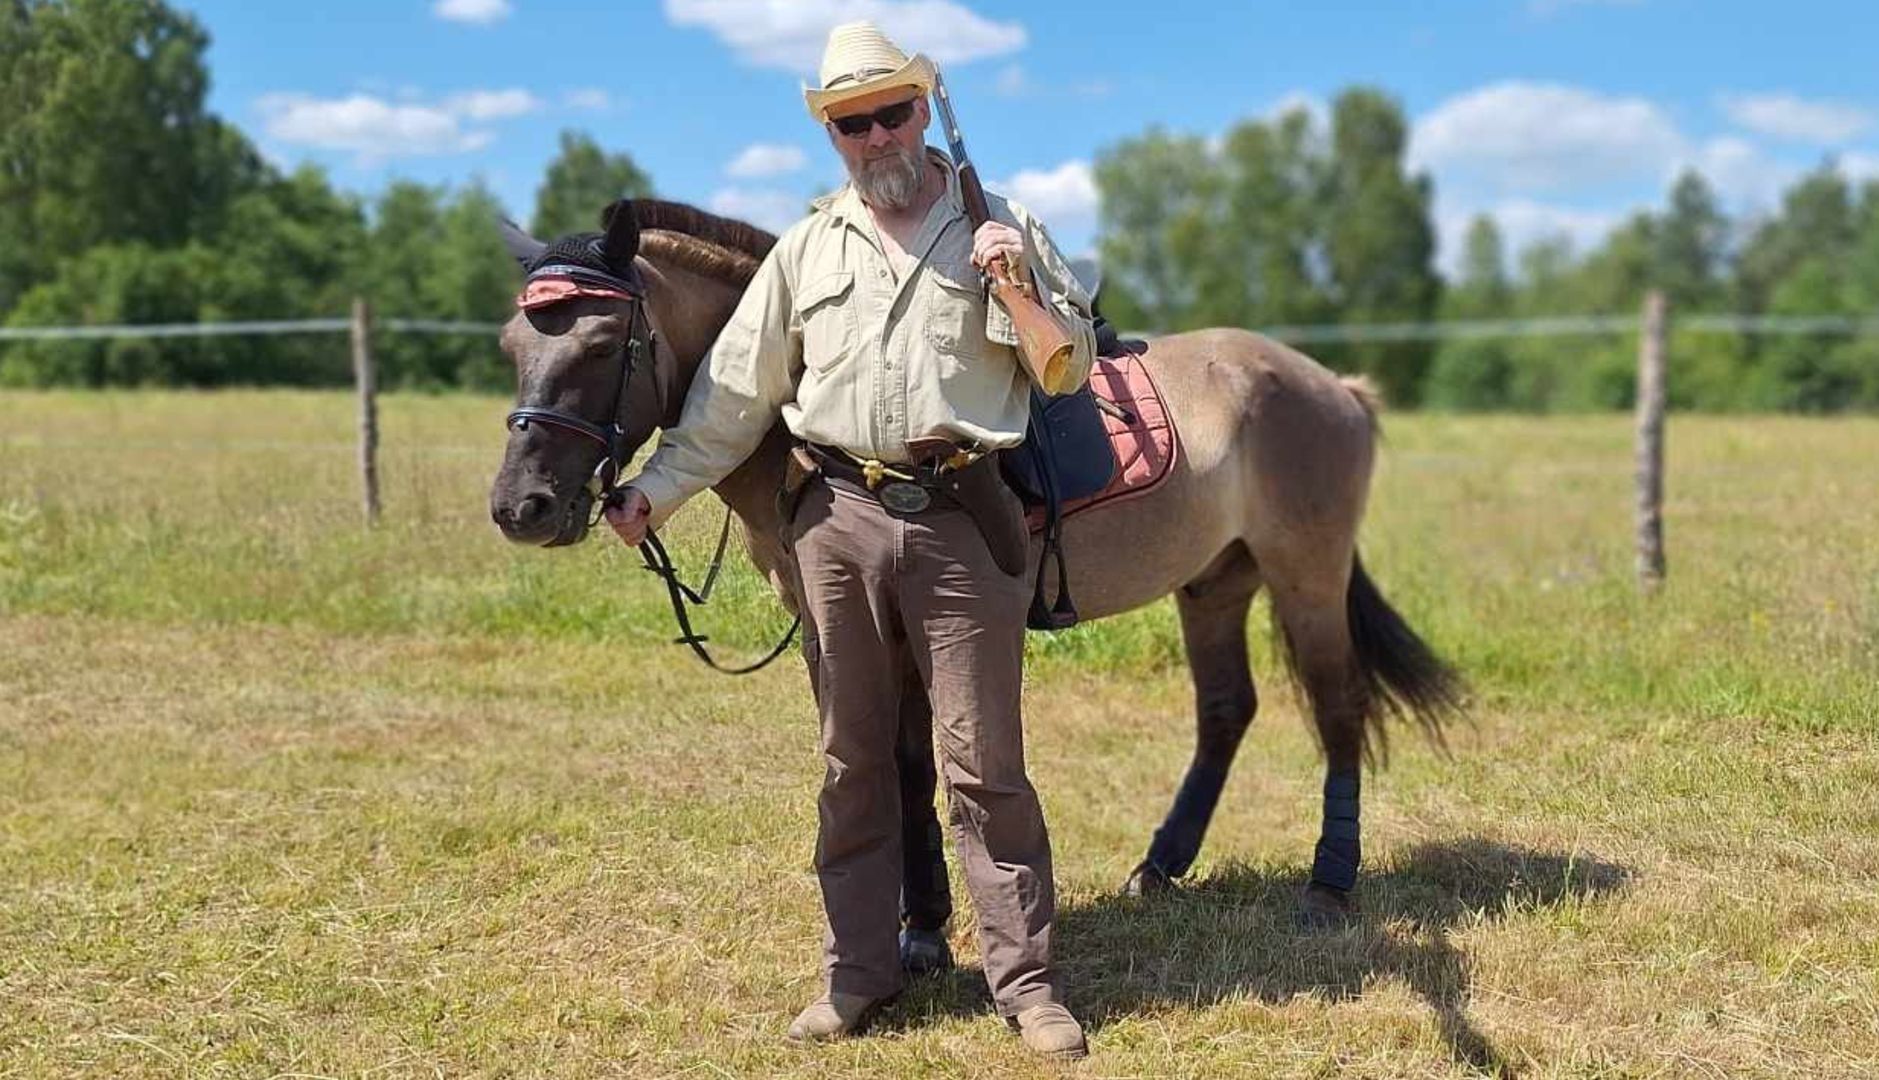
<point x="860" y="60"/>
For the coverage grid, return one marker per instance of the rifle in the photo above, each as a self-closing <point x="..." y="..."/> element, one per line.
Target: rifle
<point x="1044" y="345"/>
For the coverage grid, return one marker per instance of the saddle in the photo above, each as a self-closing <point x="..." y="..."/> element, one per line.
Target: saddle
<point x="1109" y="439"/>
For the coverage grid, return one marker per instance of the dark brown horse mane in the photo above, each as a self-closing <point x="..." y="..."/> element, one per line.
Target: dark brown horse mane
<point x="715" y="246"/>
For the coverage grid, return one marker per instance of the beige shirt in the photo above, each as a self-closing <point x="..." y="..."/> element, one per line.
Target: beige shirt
<point x="854" y="355"/>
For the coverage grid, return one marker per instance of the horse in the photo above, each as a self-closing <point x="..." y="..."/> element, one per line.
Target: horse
<point x="1267" y="492"/>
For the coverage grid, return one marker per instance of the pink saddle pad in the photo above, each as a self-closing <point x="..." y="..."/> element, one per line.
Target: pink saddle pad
<point x="1145" y="444"/>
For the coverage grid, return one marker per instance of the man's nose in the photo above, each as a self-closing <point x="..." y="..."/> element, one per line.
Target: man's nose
<point x="879" y="136"/>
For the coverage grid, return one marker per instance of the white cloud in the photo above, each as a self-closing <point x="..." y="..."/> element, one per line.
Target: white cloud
<point x="367" y="126"/>
<point x="1011" y="81"/>
<point x="1521" y="136"/>
<point x="493" y="104"/>
<point x="480" y="12"/>
<point x="376" y="129"/>
<point x="1064" y="198"/>
<point x="790" y="35"/>
<point x="769" y="208"/>
<point x="1522" y="222"/>
<point x="1549" y="160"/>
<point x="591" y="98"/>
<point x="1785" y="116"/>
<point x="1742" y="174"/>
<point x="766" y="159"/>
<point x="1860" y="166"/>
<point x="1294" y="100"/>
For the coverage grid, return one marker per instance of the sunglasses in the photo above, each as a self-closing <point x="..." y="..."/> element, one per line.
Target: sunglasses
<point x="890" y="117"/>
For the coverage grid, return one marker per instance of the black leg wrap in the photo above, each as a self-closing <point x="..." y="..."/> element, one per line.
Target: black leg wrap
<point x="1178" y="840"/>
<point x="1340" y="845"/>
<point x="926" y="899"/>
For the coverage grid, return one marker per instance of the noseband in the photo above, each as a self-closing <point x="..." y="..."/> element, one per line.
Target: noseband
<point x="557" y="282"/>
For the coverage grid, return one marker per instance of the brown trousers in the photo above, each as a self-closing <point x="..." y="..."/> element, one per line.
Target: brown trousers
<point x="880" y="590"/>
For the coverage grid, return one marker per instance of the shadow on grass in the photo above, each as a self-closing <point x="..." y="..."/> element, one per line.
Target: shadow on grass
<point x="1234" y="935"/>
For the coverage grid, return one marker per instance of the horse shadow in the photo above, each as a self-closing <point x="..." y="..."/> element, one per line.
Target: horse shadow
<point x="1235" y="935"/>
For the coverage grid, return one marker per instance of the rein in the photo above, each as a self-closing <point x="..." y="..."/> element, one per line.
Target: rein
<point x="552" y="284"/>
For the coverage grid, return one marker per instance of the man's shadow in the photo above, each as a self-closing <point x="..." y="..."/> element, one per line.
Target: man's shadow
<point x="1235" y="935"/>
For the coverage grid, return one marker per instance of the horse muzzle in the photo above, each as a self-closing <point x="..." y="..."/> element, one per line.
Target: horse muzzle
<point x="539" y="519"/>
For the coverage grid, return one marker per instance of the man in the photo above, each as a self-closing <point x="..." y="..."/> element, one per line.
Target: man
<point x="868" y="330"/>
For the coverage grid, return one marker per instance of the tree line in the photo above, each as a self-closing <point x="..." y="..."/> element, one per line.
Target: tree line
<point x="1289" y="221"/>
<point x="124" y="200"/>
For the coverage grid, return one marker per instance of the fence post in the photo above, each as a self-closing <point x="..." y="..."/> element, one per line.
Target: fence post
<point x="366" y="377"/>
<point x="1652" y="347"/>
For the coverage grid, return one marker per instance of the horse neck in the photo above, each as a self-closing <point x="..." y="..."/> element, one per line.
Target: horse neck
<point x="688" y="310"/>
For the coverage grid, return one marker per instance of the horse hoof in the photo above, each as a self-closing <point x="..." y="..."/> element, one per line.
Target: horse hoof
<point x="1322" y="908"/>
<point x="924" y="952"/>
<point x="1148" y="879"/>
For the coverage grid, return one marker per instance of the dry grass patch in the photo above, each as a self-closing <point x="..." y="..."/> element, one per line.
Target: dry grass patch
<point x="282" y="797"/>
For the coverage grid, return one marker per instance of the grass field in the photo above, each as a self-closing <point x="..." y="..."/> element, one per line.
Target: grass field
<point x="283" y="797"/>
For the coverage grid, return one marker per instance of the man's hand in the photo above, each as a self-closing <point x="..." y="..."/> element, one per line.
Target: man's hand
<point x="994" y="240"/>
<point x="628" y="515"/>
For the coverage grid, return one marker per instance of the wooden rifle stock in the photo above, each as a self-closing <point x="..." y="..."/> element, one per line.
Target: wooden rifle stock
<point x="1044" y="344"/>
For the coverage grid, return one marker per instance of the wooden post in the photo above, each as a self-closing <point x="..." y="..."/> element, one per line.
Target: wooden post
<point x="1651" y="349"/>
<point x="367" y="379"/>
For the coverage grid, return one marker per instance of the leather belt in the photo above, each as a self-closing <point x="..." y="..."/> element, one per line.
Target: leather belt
<point x="901" y="488"/>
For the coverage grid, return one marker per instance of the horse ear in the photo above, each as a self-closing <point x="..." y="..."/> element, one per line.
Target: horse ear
<point x="524" y="248"/>
<point x="622" y="241"/>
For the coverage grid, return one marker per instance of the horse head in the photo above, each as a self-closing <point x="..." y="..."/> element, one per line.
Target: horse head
<point x="610" y="329"/>
<point x="588" y="385"/>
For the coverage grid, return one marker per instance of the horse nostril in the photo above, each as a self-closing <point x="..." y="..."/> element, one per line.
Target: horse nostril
<point x="532" y="510"/>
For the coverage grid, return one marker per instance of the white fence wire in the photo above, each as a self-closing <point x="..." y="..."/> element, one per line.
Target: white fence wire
<point x="1352" y="333"/>
<point x="265" y="328"/>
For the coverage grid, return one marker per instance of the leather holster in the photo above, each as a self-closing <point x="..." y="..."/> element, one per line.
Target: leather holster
<point x="981" y="492"/>
<point x="799" y="468"/>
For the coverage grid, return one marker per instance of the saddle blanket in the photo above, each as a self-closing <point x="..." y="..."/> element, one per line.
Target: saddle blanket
<point x="1145" y="444"/>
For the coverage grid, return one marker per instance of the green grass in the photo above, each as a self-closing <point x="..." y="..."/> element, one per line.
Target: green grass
<point x="282" y="796"/>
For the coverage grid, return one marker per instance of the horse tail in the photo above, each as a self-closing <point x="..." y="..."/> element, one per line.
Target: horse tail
<point x="1400" y="675"/>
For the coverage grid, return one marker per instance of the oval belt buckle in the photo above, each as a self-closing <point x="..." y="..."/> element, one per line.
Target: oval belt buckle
<point x="904" y="498"/>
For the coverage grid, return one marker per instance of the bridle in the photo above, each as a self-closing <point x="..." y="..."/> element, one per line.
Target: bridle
<point x="557" y="282"/>
<point x="637" y="351"/>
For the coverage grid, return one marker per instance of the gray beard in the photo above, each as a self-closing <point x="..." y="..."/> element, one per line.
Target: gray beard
<point x="890" y="183"/>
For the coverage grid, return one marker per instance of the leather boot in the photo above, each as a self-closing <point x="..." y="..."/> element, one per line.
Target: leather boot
<point x="1049" y="1029"/>
<point x="834" y="1016"/>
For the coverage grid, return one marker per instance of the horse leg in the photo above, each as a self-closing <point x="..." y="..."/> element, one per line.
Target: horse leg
<point x="1213" y="611"/>
<point x="926" y="900"/>
<point x="1317" y="636"/>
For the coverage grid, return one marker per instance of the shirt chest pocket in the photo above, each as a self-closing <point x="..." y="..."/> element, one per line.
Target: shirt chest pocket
<point x="955" y="309"/>
<point x="826" y="309"/>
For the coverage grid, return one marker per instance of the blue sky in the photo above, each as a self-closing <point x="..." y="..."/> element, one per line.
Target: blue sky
<point x="1554" y="115"/>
